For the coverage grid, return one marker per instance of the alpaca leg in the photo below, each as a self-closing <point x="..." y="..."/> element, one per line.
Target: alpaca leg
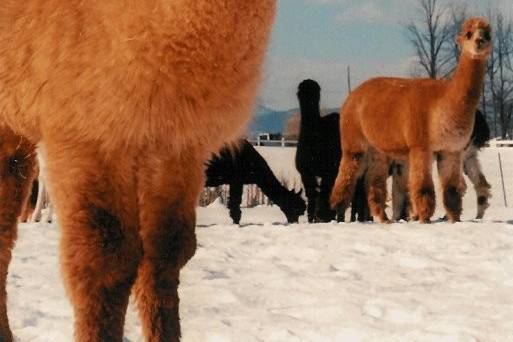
<point x="350" y="167"/>
<point x="450" y="166"/>
<point x="400" y="198"/>
<point x="325" y="213"/>
<point x="17" y="169"/>
<point x="167" y="217"/>
<point x="354" y="211"/>
<point x="234" y="200"/>
<point x="100" y="245"/>
<point x="29" y="206"/>
<point x="420" y="183"/>
<point x="377" y="186"/>
<point x="472" y="168"/>
<point x="310" y="184"/>
<point x="359" y="204"/>
<point x="357" y="201"/>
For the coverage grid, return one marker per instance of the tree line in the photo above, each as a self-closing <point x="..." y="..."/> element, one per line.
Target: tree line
<point x="431" y="33"/>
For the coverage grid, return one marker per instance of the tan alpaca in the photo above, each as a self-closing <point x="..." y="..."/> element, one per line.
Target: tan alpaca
<point x="128" y="99"/>
<point x="411" y="119"/>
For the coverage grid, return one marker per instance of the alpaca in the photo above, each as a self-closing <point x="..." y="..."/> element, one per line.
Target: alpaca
<point x="411" y="119"/>
<point x="17" y="170"/>
<point x="245" y="165"/>
<point x="318" y="153"/>
<point x="128" y="100"/>
<point x="471" y="167"/>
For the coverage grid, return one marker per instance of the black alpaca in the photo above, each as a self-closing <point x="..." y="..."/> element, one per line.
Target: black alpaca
<point x="359" y="206"/>
<point x="244" y="165"/>
<point x="471" y="167"/>
<point x="318" y="157"/>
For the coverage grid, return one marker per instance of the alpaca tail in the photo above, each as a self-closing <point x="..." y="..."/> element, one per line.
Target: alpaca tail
<point x="346" y="180"/>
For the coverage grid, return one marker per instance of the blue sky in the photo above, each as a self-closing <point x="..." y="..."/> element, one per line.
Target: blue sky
<point x="319" y="38"/>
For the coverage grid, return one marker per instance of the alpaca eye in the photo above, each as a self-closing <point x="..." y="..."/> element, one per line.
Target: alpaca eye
<point x="486" y="36"/>
<point x="468" y="35"/>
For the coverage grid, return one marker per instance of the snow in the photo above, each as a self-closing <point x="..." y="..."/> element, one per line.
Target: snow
<point x="268" y="281"/>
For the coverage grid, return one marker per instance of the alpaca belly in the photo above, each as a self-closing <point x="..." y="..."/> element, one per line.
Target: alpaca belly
<point x="449" y="139"/>
<point x="382" y="129"/>
<point x="390" y="144"/>
<point x="123" y="111"/>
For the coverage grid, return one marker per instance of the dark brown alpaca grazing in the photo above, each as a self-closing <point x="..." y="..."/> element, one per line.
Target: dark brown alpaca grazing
<point x="244" y="165"/>
<point x="128" y="99"/>
<point x="412" y="119"/>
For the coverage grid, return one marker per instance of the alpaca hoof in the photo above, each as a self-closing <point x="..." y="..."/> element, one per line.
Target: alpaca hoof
<point x="383" y="220"/>
<point x="481" y="210"/>
<point x="454" y="220"/>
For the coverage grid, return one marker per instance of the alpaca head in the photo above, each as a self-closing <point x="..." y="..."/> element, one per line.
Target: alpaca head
<point x="309" y="91"/>
<point x="294" y="206"/>
<point x="475" y="38"/>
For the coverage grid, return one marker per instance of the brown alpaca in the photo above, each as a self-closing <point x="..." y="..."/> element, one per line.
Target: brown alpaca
<point x="17" y="169"/>
<point x="128" y="100"/>
<point x="412" y="119"/>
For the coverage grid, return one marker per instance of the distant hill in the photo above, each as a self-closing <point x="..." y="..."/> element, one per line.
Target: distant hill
<point x="268" y="120"/>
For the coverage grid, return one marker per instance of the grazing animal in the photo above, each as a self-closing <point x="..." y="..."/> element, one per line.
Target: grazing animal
<point x="244" y="165"/>
<point x="471" y="167"/>
<point x="128" y="100"/>
<point x="412" y="119"/>
<point x="318" y="154"/>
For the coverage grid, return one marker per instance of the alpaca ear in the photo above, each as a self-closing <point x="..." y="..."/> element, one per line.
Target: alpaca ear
<point x="458" y="39"/>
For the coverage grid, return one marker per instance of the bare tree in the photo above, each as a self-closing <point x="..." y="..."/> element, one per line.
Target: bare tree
<point x="499" y="85"/>
<point x="431" y="36"/>
<point x="457" y="15"/>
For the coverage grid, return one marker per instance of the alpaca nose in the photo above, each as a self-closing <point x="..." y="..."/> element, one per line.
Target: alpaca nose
<point x="480" y="42"/>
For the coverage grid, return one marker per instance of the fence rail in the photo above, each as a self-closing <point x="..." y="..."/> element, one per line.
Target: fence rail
<point x="280" y="143"/>
<point x="500" y="143"/>
<point x="284" y="142"/>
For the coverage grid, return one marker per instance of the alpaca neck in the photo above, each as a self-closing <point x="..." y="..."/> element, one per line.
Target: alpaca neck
<point x="464" y="90"/>
<point x="310" y="116"/>
<point x="273" y="189"/>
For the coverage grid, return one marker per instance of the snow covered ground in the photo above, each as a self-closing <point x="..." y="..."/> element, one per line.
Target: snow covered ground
<point x="267" y="281"/>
